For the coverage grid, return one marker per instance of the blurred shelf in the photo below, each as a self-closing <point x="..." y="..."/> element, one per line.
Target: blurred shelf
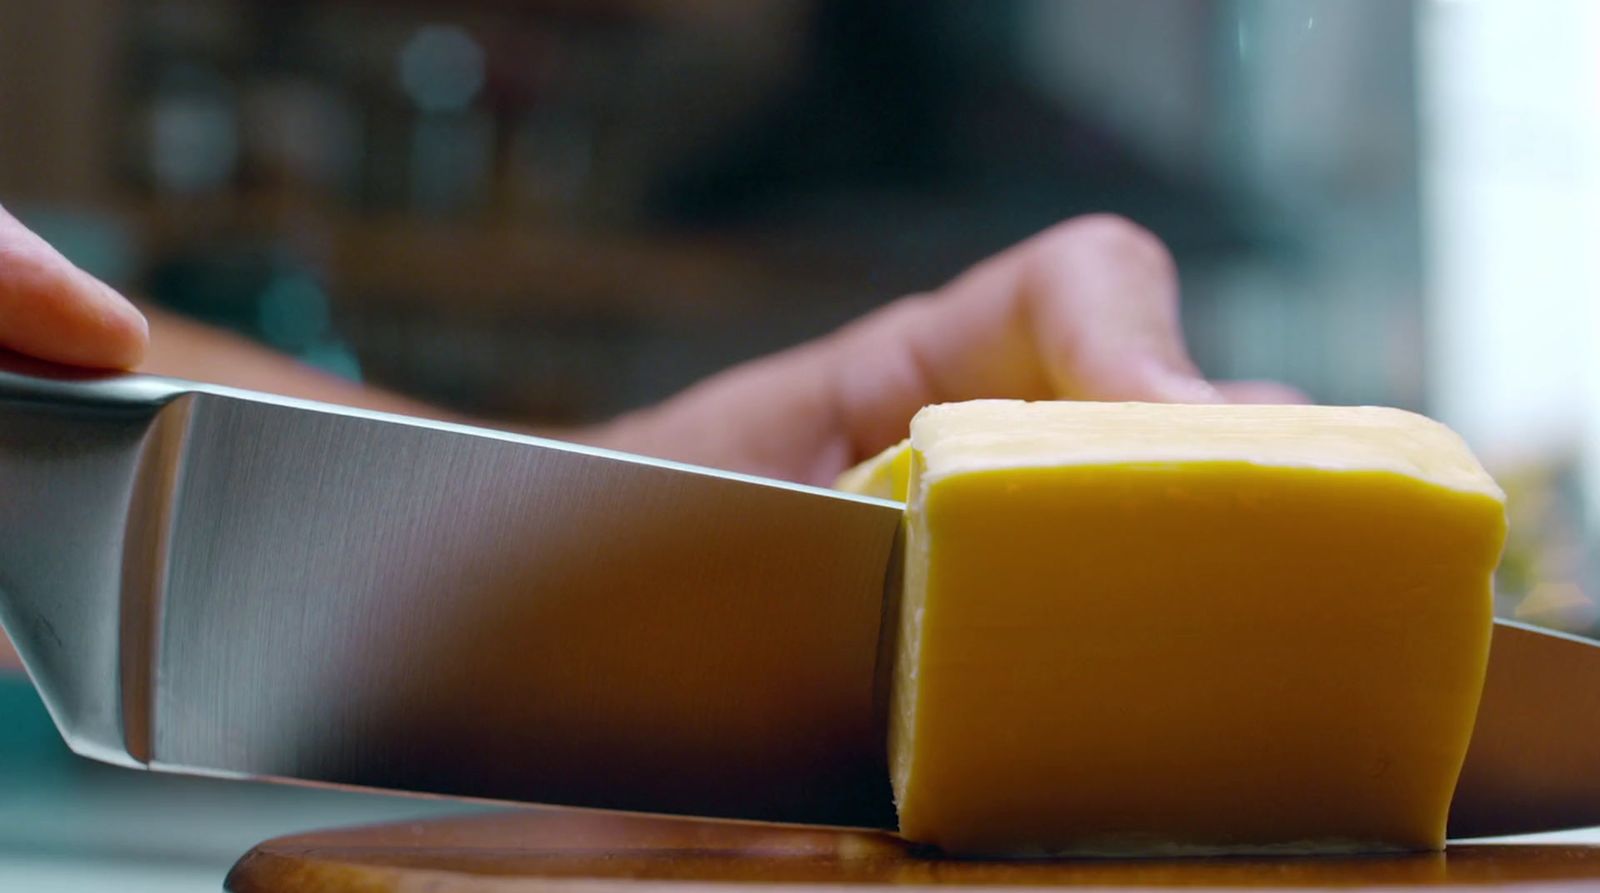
<point x="522" y="322"/>
<point x="647" y="278"/>
<point x="495" y="270"/>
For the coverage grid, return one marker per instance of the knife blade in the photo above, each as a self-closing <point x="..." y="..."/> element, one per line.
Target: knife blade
<point x="1534" y="761"/>
<point x="214" y="581"/>
<point x="221" y="582"/>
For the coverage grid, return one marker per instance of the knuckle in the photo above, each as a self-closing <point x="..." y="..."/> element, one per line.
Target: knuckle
<point x="1098" y="259"/>
<point x="889" y="319"/>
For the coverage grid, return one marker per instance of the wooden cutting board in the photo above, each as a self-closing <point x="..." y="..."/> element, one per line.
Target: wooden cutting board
<point x="592" y="852"/>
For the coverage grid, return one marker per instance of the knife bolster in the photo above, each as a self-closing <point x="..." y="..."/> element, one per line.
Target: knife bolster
<point x="83" y="463"/>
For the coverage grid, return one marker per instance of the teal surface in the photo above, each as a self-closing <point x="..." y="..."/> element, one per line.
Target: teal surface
<point x="68" y="824"/>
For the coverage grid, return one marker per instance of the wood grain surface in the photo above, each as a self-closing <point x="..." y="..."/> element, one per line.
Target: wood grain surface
<point x="576" y="851"/>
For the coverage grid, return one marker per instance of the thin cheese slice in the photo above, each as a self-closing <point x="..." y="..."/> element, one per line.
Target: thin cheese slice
<point x="885" y="475"/>
<point x="1133" y="629"/>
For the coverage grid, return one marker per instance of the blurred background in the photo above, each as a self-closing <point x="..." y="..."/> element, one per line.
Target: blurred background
<point x="552" y="210"/>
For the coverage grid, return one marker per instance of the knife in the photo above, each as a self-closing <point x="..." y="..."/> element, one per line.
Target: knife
<point x="214" y="581"/>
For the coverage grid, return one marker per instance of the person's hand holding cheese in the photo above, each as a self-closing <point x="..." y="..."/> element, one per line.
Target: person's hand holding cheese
<point x="1087" y="310"/>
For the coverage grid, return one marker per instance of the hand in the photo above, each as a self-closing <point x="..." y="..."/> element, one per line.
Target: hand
<point x="54" y="311"/>
<point x="51" y="310"/>
<point x="1086" y="311"/>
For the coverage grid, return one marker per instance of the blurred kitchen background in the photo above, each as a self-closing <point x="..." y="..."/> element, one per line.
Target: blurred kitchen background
<point x="552" y="210"/>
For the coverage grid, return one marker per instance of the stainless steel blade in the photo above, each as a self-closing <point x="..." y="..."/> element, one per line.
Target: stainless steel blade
<point x="1534" y="761"/>
<point x="216" y="581"/>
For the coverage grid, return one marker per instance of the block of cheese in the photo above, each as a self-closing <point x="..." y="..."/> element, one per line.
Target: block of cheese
<point x="1131" y="629"/>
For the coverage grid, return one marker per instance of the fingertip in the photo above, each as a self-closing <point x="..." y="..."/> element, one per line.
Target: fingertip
<point x="1146" y="379"/>
<point x="54" y="311"/>
<point x="124" y="335"/>
<point x="83" y="322"/>
<point x="1262" y="392"/>
<point x="1180" y="388"/>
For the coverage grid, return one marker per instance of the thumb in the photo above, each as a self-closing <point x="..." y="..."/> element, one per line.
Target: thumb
<point x="51" y="310"/>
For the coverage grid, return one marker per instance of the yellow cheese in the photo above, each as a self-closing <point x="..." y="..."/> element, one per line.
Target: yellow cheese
<point x="884" y="475"/>
<point x="1139" y="629"/>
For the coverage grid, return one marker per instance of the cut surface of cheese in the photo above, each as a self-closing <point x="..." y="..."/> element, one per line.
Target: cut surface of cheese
<point x="884" y="475"/>
<point x="1131" y="629"/>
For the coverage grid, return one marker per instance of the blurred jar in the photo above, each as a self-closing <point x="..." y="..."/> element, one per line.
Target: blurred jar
<point x="190" y="131"/>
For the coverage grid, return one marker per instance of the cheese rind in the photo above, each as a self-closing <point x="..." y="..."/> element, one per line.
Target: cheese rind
<point x="1134" y="629"/>
<point x="1004" y="434"/>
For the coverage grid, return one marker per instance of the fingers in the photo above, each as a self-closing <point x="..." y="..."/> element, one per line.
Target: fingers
<point x="1102" y="298"/>
<point x="54" y="311"/>
<point x="1086" y="311"/>
<point x="921" y="350"/>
